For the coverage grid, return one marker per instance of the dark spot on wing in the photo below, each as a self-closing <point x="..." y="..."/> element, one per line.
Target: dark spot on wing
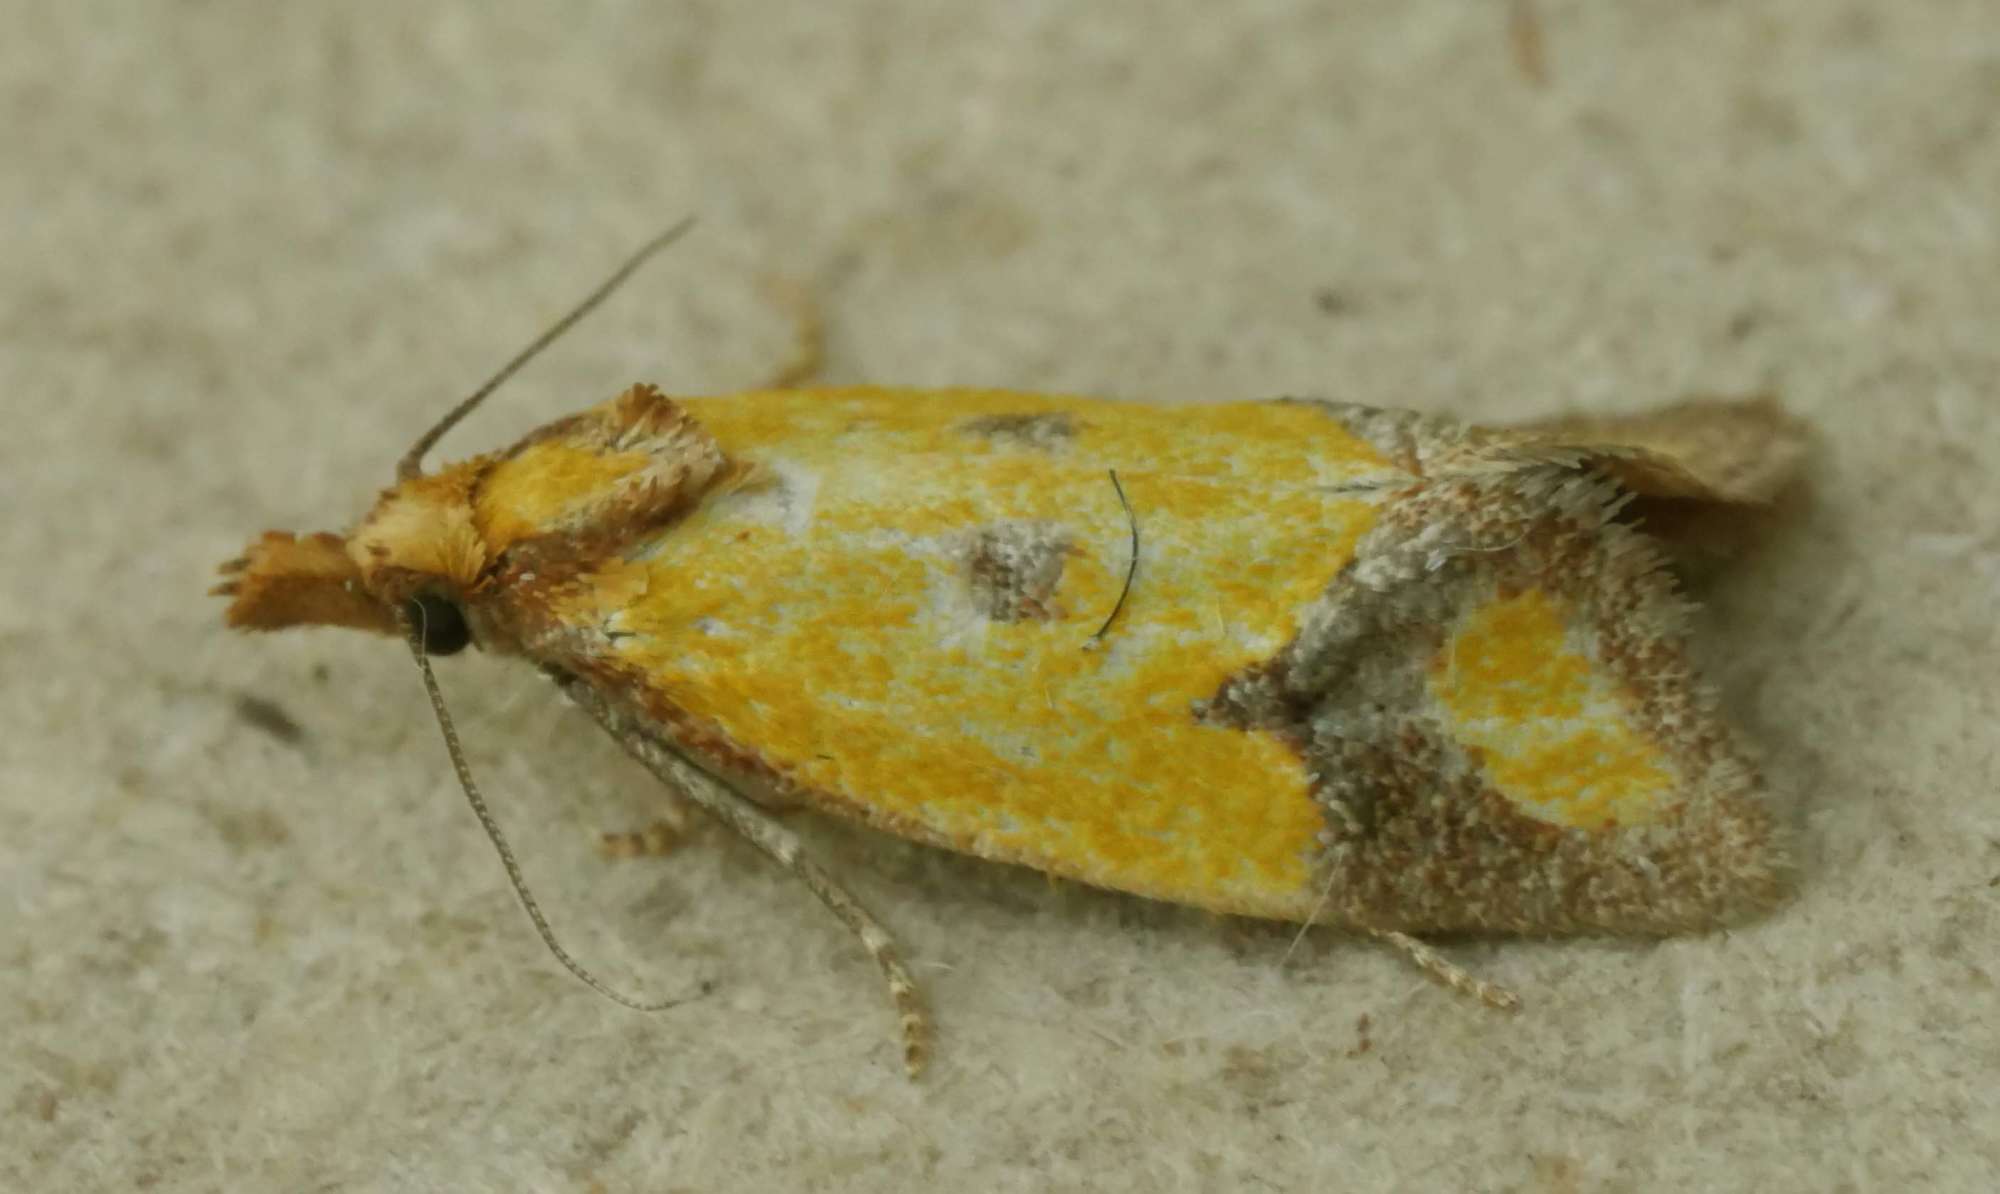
<point x="1043" y="431"/>
<point x="1013" y="568"/>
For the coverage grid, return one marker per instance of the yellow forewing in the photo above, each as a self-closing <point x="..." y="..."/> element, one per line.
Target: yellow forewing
<point x="820" y="615"/>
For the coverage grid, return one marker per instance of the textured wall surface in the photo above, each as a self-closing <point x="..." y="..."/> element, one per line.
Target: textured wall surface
<point x="252" y="940"/>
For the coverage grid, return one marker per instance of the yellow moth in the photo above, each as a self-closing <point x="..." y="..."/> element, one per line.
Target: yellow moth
<point x="1294" y="659"/>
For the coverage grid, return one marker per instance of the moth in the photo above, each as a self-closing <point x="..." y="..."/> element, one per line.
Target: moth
<point x="1301" y="660"/>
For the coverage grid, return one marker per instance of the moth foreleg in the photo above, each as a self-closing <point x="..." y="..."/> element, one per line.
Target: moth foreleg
<point x="656" y="840"/>
<point x="778" y="843"/>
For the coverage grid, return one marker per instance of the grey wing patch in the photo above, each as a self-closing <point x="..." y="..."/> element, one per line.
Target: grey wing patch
<point x="1045" y="431"/>
<point x="1012" y="569"/>
<point x="1419" y="836"/>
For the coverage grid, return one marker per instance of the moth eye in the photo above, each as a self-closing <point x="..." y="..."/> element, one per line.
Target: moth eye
<point x="441" y="621"/>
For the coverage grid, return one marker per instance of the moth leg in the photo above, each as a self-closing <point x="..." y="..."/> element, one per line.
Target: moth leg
<point x="666" y="834"/>
<point x="808" y="357"/>
<point x="778" y="843"/>
<point x="656" y="840"/>
<point x="1447" y="972"/>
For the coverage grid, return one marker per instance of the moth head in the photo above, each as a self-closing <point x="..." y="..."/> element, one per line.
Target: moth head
<point x="446" y="558"/>
<point x="444" y="552"/>
<point x="437" y="546"/>
<point x="419" y="552"/>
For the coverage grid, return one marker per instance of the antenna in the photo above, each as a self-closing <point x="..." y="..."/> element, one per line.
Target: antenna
<point x="413" y="630"/>
<point x="412" y="463"/>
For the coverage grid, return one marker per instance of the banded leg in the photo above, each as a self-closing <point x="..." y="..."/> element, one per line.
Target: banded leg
<point x="656" y="840"/>
<point x="1447" y="972"/>
<point x="779" y="844"/>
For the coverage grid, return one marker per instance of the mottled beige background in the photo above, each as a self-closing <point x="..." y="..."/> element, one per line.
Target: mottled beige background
<point x="253" y="941"/>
